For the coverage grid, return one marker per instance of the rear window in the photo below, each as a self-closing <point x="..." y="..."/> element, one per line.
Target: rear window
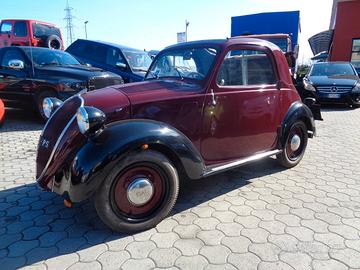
<point x="43" y="30"/>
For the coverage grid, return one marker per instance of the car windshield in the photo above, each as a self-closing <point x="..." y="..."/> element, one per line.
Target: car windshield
<point x="43" y="30"/>
<point x="46" y="57"/>
<point x="138" y="60"/>
<point x="332" y="69"/>
<point x="193" y="63"/>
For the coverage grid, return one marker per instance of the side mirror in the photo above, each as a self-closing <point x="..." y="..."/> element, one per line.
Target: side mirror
<point x="16" y="64"/>
<point x="120" y="65"/>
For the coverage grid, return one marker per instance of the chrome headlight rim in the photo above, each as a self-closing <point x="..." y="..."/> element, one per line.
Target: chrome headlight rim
<point x="82" y="119"/>
<point x="47" y="107"/>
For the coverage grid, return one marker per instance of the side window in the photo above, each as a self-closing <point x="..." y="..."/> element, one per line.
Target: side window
<point x="246" y="67"/>
<point x="113" y="56"/>
<point x="95" y="53"/>
<point x="77" y="48"/>
<point x="6" y="27"/>
<point x="20" y="29"/>
<point x="11" y="55"/>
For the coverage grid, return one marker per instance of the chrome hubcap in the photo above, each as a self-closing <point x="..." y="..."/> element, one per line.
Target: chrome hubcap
<point x="295" y="142"/>
<point x="140" y="191"/>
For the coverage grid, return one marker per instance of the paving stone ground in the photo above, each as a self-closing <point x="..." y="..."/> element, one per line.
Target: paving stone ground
<point x="256" y="217"/>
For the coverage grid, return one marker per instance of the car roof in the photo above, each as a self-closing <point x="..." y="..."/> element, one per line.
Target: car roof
<point x="27" y="20"/>
<point x="26" y="48"/>
<point x="332" y="63"/>
<point x="121" y="47"/>
<point x="227" y="42"/>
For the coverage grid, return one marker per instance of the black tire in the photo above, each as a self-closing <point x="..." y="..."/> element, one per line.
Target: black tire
<point x="108" y="208"/>
<point x="53" y="42"/>
<point x="39" y="101"/>
<point x="288" y="158"/>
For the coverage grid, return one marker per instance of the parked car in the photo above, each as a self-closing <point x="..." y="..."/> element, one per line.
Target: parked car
<point x="204" y="107"/>
<point x="131" y="64"/>
<point x="2" y="112"/>
<point x="28" y="75"/>
<point x="30" y="33"/>
<point x="333" y="82"/>
<point x="153" y="53"/>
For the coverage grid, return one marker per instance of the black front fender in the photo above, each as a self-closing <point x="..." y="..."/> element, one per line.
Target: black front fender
<point x="298" y="111"/>
<point x="95" y="159"/>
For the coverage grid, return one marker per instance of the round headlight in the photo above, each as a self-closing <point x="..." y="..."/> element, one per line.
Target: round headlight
<point x="83" y="120"/>
<point x="48" y="106"/>
<point x="90" y="119"/>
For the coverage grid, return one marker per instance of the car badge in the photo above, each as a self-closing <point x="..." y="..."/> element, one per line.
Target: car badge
<point x="44" y="143"/>
<point x="334" y="89"/>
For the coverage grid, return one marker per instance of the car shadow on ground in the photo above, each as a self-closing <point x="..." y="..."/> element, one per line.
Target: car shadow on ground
<point x="336" y="108"/>
<point x="35" y="225"/>
<point x="20" y="120"/>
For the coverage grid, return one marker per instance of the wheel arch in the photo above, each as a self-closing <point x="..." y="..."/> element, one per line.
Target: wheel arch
<point x="92" y="162"/>
<point x="298" y="111"/>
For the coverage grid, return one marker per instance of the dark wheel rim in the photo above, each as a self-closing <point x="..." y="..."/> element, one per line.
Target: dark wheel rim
<point x="121" y="192"/>
<point x="295" y="143"/>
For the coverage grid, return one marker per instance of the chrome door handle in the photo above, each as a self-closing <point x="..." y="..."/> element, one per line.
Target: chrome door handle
<point x="1" y="76"/>
<point x="213" y="99"/>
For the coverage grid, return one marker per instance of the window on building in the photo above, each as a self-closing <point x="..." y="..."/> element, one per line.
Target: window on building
<point x="355" y="53"/>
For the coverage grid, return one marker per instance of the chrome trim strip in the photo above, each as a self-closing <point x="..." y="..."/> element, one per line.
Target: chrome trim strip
<point x="226" y="166"/>
<point x="59" y="139"/>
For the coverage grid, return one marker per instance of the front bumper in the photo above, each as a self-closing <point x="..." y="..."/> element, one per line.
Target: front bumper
<point x="343" y="98"/>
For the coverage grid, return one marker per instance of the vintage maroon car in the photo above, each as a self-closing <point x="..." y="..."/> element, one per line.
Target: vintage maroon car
<point x="2" y="112"/>
<point x="204" y="107"/>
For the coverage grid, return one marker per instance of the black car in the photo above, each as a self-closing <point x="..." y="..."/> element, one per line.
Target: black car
<point x="333" y="82"/>
<point x="131" y="64"/>
<point x="28" y="75"/>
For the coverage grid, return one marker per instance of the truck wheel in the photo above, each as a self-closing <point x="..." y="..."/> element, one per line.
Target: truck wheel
<point x="138" y="193"/>
<point x="53" y="42"/>
<point x="295" y="145"/>
<point x="39" y="103"/>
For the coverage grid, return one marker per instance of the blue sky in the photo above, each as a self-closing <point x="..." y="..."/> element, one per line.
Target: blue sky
<point x="153" y="24"/>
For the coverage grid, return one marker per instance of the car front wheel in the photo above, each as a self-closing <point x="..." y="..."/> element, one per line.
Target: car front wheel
<point x="138" y="193"/>
<point x="295" y="145"/>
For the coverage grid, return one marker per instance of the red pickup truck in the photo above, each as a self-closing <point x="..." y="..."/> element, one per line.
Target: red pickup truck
<point x="30" y="33"/>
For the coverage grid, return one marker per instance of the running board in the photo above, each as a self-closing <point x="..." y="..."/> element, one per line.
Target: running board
<point x="226" y="166"/>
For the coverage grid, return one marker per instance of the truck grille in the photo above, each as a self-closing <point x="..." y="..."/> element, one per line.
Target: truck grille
<point x="101" y="82"/>
<point x="334" y="89"/>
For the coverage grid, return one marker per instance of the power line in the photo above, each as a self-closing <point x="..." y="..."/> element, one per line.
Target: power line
<point x="69" y="23"/>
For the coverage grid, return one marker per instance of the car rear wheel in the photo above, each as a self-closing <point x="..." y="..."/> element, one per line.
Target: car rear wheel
<point x="138" y="193"/>
<point x="295" y="145"/>
<point x="39" y="103"/>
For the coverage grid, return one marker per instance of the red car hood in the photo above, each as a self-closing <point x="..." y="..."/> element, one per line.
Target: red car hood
<point x="156" y="90"/>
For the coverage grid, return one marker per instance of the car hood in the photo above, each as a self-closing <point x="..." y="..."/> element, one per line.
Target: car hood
<point x="76" y="72"/>
<point x="157" y="90"/>
<point x="343" y="80"/>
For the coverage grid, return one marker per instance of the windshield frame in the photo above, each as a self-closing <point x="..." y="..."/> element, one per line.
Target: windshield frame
<point x="218" y="48"/>
<point x="30" y="52"/>
<point x="332" y="64"/>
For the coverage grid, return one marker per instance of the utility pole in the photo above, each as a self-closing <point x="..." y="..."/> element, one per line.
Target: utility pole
<point x="186" y="27"/>
<point x="69" y="23"/>
<point x="85" y="23"/>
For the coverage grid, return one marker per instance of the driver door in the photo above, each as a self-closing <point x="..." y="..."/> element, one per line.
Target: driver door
<point x="14" y="85"/>
<point x="241" y="107"/>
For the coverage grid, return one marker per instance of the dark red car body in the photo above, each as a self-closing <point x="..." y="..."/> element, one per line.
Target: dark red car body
<point x="27" y="36"/>
<point x="200" y="126"/>
<point x="2" y="112"/>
